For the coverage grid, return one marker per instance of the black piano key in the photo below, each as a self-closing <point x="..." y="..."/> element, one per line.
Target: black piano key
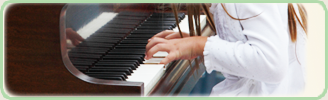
<point x="127" y="53"/>
<point x="112" y="78"/>
<point x="117" y="63"/>
<point x="97" y="45"/>
<point x="161" y="24"/>
<point x="106" y="74"/>
<point x="146" y="31"/>
<point x="125" y="57"/>
<point x="155" y="27"/>
<point x="113" y="30"/>
<point x="139" y="37"/>
<point x="130" y="47"/>
<point x="132" y="66"/>
<point x="135" y="41"/>
<point x="170" y="25"/>
<point x="128" y="68"/>
<point x="161" y="19"/>
<point x="143" y="34"/>
<point x="126" y="71"/>
<point x="133" y="61"/>
<point x="128" y="50"/>
<point x="119" y="26"/>
<point x="132" y="44"/>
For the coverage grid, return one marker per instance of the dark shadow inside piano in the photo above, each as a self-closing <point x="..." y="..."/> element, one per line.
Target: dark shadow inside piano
<point x="105" y="44"/>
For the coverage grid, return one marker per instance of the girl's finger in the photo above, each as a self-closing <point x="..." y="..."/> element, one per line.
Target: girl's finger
<point x="163" y="34"/>
<point x="173" y="35"/>
<point x="153" y="42"/>
<point x="176" y="35"/>
<point x="155" y="49"/>
<point x="171" y="57"/>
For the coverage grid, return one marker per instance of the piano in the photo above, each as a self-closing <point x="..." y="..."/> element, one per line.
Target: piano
<point x="109" y="61"/>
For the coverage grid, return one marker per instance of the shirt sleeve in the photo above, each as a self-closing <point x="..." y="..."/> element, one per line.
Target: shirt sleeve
<point x="264" y="56"/>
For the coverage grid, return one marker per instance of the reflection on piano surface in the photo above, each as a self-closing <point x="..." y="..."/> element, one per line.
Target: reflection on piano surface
<point x="110" y="59"/>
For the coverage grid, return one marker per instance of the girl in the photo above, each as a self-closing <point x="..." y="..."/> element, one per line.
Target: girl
<point x="259" y="48"/>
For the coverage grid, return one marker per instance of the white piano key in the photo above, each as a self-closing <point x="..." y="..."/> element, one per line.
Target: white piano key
<point x="160" y="54"/>
<point x="149" y="74"/>
<point x="153" y="61"/>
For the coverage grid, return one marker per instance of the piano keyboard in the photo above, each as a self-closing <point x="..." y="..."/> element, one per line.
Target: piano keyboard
<point x="115" y="50"/>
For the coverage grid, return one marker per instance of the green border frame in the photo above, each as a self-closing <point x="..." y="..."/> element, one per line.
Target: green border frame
<point x="6" y="3"/>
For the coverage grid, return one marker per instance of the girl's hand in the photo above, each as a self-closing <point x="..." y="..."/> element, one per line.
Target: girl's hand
<point x="170" y="34"/>
<point x="183" y="48"/>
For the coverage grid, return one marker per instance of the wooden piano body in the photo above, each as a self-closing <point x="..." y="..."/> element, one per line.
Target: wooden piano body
<point x="35" y="65"/>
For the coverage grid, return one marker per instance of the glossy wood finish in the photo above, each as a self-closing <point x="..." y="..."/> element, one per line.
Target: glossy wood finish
<point x="33" y="62"/>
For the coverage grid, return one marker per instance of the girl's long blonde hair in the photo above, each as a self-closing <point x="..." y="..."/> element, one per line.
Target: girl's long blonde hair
<point x="194" y="11"/>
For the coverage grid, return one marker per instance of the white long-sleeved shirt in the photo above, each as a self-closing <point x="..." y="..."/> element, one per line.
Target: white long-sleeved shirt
<point x="260" y="59"/>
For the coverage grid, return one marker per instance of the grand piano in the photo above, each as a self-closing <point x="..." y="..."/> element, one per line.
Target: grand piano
<point x="40" y="60"/>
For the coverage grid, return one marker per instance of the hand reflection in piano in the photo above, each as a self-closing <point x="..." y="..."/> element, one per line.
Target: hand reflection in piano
<point x="73" y="36"/>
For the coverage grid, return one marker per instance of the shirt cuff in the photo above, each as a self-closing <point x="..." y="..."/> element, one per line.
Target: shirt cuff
<point x="207" y="56"/>
<point x="217" y="54"/>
